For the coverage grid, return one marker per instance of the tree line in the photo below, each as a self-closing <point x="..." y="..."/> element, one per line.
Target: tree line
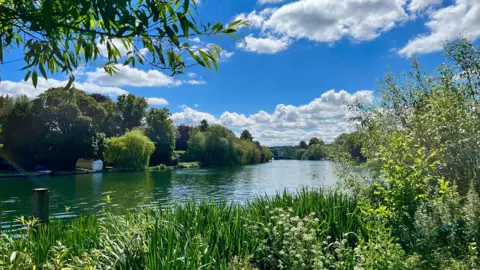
<point x="346" y="145"/>
<point x="61" y="126"/>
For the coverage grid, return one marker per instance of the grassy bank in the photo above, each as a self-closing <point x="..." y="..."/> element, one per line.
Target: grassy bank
<point x="188" y="236"/>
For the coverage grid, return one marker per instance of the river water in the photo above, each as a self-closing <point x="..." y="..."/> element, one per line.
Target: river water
<point x="85" y="194"/>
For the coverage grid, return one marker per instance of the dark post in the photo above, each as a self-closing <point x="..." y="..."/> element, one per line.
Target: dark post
<point x="41" y="204"/>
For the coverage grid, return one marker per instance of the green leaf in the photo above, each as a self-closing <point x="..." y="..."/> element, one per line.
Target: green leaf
<point x="205" y="58"/>
<point x="35" y="78"/>
<point x="185" y="26"/>
<point x="27" y="76"/>
<point x="234" y="23"/>
<point x="42" y="70"/>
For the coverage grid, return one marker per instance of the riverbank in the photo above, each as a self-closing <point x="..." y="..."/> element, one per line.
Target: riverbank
<point x="190" y="235"/>
<point x="161" y="167"/>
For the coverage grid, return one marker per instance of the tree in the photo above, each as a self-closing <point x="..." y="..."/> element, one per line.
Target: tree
<point x="246" y="135"/>
<point x="51" y="130"/>
<point x="275" y="152"/>
<point x="315" y="140"/>
<point x="302" y="145"/>
<point x="315" y="152"/>
<point x="299" y="153"/>
<point x="219" y="146"/>
<point x="131" y="151"/>
<point x="183" y="135"/>
<point x="132" y="110"/>
<point x="23" y="134"/>
<point x="203" y="126"/>
<point x="62" y="35"/>
<point x="161" y="131"/>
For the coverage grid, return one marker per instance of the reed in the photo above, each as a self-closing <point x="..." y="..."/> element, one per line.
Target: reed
<point x="190" y="235"/>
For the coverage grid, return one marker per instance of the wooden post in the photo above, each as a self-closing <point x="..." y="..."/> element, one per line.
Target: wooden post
<point x="41" y="204"/>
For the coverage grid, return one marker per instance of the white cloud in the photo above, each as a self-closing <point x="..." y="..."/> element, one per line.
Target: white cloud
<point x="193" y="117"/>
<point x="254" y="18"/>
<point x="331" y="20"/>
<point x="156" y="101"/>
<point x="128" y="76"/>
<point x="195" y="82"/>
<point x="324" y="117"/>
<point x="26" y="88"/>
<point x="267" y="45"/>
<point x="225" y="55"/>
<point x="195" y="105"/>
<point x="447" y="23"/>
<point x="418" y="5"/>
<point x="263" y="2"/>
<point x="192" y="75"/>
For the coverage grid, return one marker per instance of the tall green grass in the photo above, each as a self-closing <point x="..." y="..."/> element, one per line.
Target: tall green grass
<point x="192" y="235"/>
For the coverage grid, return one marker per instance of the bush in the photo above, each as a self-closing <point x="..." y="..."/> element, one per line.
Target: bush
<point x="131" y="151"/>
<point x="218" y="146"/>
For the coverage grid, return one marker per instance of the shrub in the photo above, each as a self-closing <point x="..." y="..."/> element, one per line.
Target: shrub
<point x="131" y="151"/>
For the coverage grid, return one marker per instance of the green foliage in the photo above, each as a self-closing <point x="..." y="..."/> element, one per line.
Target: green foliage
<point x="132" y="110"/>
<point x="302" y="145"/>
<point x="203" y="125"/>
<point x="57" y="128"/>
<point x="299" y="153"/>
<point x="315" y="152"/>
<point x="183" y="135"/>
<point x="218" y="146"/>
<point x="246" y="135"/>
<point x="161" y="167"/>
<point x="161" y="131"/>
<point x="60" y="36"/>
<point x="347" y="147"/>
<point x="185" y="236"/>
<point x="440" y="112"/>
<point x="131" y="151"/>
<point x="315" y="141"/>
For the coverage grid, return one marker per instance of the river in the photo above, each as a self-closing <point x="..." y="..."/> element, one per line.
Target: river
<point x="85" y="194"/>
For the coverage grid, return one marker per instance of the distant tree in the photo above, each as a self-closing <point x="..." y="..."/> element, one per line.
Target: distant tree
<point x="130" y="151"/>
<point x="161" y="131"/>
<point x="275" y="152"/>
<point x="246" y="135"/>
<point x="289" y="151"/>
<point x="55" y="129"/>
<point x="23" y="135"/>
<point x="315" y="152"/>
<point x="349" y="144"/>
<point x="203" y="126"/>
<point x="299" y="154"/>
<point x="302" y="145"/>
<point x="183" y="135"/>
<point x="132" y="110"/>
<point x="314" y="141"/>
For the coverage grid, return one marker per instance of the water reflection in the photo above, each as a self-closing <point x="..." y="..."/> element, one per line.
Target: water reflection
<point x="85" y="193"/>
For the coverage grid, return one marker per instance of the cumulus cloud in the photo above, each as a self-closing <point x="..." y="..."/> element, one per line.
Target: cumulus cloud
<point x="447" y="23"/>
<point x="156" y="101"/>
<point x="270" y="1"/>
<point x="26" y="88"/>
<point x="329" y="21"/>
<point x="128" y="76"/>
<point x="268" y="45"/>
<point x="418" y="5"/>
<point x="324" y="117"/>
<point x="322" y="21"/>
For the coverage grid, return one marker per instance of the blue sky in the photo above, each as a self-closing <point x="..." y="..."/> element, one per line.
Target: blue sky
<point x="295" y="69"/>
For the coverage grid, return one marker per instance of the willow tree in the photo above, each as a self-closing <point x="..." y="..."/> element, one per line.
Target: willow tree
<point x="59" y="36"/>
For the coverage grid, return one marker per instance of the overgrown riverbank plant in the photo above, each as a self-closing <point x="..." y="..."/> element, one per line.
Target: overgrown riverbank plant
<point x="421" y="144"/>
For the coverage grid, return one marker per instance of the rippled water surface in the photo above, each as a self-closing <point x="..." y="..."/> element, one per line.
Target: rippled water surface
<point x="85" y="193"/>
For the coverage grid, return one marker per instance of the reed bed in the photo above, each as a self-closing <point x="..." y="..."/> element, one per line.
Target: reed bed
<point x="191" y="235"/>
